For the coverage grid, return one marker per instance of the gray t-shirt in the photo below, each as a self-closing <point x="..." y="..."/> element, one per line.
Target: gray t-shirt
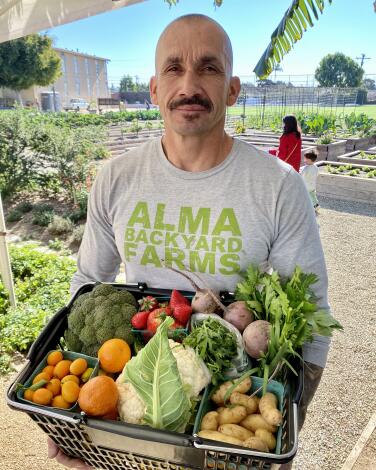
<point x="251" y="208"/>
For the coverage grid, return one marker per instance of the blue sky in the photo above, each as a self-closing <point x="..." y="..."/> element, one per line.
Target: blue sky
<point x="128" y="36"/>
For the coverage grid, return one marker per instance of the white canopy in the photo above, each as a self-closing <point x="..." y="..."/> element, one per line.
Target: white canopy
<point x="22" y="17"/>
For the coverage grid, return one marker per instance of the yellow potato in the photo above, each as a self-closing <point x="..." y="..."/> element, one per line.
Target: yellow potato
<point x="266" y="437"/>
<point x="250" y="403"/>
<point x="236" y="431"/>
<point x="256" y="443"/>
<point x="232" y="415"/>
<point x="256" y="421"/>
<point x="218" y="436"/>
<point x="210" y="421"/>
<point x="219" y="396"/>
<point x="269" y="411"/>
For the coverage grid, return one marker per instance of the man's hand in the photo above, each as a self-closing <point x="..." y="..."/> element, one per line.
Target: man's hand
<point x="55" y="453"/>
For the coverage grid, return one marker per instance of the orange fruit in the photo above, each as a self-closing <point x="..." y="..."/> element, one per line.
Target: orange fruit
<point x="54" y="386"/>
<point x="62" y="368"/>
<point x="99" y="396"/>
<point x="49" y="370"/>
<point x="54" y="357"/>
<point x="28" y="394"/>
<point x="113" y="355"/>
<point x="70" y="378"/>
<point x="70" y="391"/>
<point x="112" y="415"/>
<point x="41" y="376"/>
<point x="59" y="402"/>
<point x="42" y="396"/>
<point x="78" y="366"/>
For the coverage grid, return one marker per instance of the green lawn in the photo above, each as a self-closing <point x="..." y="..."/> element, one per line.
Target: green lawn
<point x="368" y="109"/>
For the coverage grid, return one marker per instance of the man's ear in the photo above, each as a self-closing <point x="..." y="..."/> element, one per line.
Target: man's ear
<point x="234" y="90"/>
<point x="153" y="90"/>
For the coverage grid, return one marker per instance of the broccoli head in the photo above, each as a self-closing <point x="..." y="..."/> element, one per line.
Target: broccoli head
<point x="99" y="315"/>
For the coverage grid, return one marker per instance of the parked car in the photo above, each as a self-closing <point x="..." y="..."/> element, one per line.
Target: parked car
<point x="76" y="104"/>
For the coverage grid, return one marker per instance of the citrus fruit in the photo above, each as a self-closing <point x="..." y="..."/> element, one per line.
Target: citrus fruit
<point x="41" y="376"/>
<point x="49" y="370"/>
<point x="70" y="391"/>
<point x="113" y="355"/>
<point x="70" y="378"/>
<point x="54" y="357"/>
<point x="98" y="396"/>
<point x="78" y="366"/>
<point x="28" y="394"/>
<point x="42" y="396"/>
<point x="59" y="402"/>
<point x="112" y="415"/>
<point x="54" y="386"/>
<point x="62" y="368"/>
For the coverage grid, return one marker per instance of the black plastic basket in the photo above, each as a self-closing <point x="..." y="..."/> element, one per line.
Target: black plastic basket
<point x="116" y="446"/>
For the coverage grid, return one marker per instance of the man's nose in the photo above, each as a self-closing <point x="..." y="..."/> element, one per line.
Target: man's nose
<point x="189" y="83"/>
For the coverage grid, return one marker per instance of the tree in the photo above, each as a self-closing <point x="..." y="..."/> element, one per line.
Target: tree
<point x="126" y="84"/>
<point x="28" y="61"/>
<point x="369" y="84"/>
<point x="339" y="70"/>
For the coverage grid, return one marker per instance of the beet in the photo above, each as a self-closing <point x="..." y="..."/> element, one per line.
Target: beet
<point x="256" y="338"/>
<point x="239" y="315"/>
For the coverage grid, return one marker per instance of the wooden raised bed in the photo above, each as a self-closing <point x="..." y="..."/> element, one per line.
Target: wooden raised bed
<point x="358" y="143"/>
<point x="330" y="151"/>
<point x="340" y="186"/>
<point x="359" y="157"/>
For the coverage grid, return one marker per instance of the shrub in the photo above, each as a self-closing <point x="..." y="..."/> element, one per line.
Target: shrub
<point x="24" y="207"/>
<point x="77" y="234"/>
<point x="60" y="225"/>
<point x="43" y="217"/>
<point x="14" y="215"/>
<point x="42" y="288"/>
<point x="56" y="244"/>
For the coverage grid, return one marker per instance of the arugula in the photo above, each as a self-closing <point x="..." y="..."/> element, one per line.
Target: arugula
<point x="290" y="307"/>
<point x="215" y="345"/>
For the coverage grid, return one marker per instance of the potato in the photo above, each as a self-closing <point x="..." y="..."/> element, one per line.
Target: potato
<point x="232" y="415"/>
<point x="256" y="338"/>
<point x="218" y="436"/>
<point x="236" y="431"/>
<point x="221" y="408"/>
<point x="266" y="437"/>
<point x="269" y="411"/>
<point x="210" y="421"/>
<point x="256" y="443"/>
<point x="256" y="421"/>
<point x="219" y="396"/>
<point x="250" y="403"/>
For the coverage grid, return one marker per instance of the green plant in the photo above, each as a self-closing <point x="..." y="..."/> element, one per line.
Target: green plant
<point x="60" y="225"/>
<point x="56" y="244"/>
<point x="43" y="214"/>
<point x="239" y="127"/>
<point x="77" y="235"/>
<point x="326" y="138"/>
<point x="24" y="207"/>
<point x="148" y="125"/>
<point x="135" y="127"/>
<point x="14" y="215"/>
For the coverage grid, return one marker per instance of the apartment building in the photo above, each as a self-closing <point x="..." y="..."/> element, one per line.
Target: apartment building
<point x="83" y="76"/>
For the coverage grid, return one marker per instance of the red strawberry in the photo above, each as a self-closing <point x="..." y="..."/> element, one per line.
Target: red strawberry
<point x="182" y="313"/>
<point x="178" y="299"/>
<point x="139" y="320"/>
<point x="156" y="317"/>
<point x="176" y="326"/>
<point x="148" y="303"/>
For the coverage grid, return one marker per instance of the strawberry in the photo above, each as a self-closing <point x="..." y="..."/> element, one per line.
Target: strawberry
<point x="156" y="317"/>
<point x="178" y="299"/>
<point x="148" y="303"/>
<point x="176" y="326"/>
<point x="139" y="320"/>
<point x="182" y="313"/>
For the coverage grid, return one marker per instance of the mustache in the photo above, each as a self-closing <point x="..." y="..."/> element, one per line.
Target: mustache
<point x="196" y="99"/>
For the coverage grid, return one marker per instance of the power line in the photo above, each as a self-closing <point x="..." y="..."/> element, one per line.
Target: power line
<point x="362" y="58"/>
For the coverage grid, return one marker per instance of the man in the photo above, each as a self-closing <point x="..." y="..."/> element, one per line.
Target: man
<point x="198" y="198"/>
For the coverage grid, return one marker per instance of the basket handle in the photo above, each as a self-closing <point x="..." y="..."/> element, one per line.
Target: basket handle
<point x="299" y="383"/>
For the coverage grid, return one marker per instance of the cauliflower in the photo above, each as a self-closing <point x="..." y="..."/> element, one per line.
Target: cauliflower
<point x="99" y="315"/>
<point x="193" y="373"/>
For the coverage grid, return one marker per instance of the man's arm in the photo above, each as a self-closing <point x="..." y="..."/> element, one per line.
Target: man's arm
<point x="98" y="257"/>
<point x="297" y="242"/>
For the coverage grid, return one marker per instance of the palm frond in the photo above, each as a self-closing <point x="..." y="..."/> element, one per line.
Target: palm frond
<point x="290" y="30"/>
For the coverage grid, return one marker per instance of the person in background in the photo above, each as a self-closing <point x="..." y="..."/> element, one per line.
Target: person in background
<point x="290" y="143"/>
<point x="309" y="173"/>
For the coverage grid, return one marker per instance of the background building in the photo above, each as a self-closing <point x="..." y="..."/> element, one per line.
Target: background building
<point x="83" y="76"/>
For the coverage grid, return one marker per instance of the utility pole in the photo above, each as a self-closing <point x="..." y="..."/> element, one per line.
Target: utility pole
<point x="362" y="58"/>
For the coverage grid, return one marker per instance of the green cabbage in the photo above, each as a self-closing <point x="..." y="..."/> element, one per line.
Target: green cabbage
<point x="155" y="376"/>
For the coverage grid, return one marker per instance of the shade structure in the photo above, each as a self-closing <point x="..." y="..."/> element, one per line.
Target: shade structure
<point x="22" y="17"/>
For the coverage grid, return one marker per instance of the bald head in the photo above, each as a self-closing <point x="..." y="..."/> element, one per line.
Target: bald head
<point x="198" y="27"/>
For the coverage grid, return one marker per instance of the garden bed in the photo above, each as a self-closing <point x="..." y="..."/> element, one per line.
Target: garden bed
<point x="358" y="143"/>
<point x="349" y="182"/>
<point x="360" y="157"/>
<point x="330" y="151"/>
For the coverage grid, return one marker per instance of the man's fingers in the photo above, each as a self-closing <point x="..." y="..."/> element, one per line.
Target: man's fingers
<point x="55" y="453"/>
